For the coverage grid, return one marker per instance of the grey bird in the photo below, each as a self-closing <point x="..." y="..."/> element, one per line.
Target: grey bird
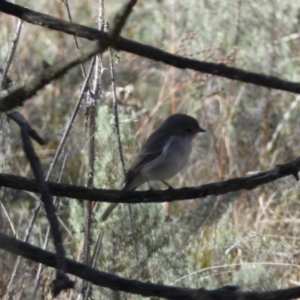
<point x="163" y="155"/>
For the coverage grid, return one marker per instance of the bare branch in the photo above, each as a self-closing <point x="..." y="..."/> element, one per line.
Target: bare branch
<point x="11" y="54"/>
<point x="18" y="96"/>
<point x="120" y="19"/>
<point x="115" y="282"/>
<point x="170" y="195"/>
<point x="21" y="121"/>
<point x="148" y="51"/>
<point x="61" y="281"/>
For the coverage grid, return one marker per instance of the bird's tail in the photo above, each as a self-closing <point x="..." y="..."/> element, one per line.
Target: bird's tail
<point x="108" y="211"/>
<point x="127" y="187"/>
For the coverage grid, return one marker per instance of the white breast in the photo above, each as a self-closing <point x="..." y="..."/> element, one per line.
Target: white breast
<point x="173" y="158"/>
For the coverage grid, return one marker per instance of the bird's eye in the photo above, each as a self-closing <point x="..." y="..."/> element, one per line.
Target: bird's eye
<point x="189" y="129"/>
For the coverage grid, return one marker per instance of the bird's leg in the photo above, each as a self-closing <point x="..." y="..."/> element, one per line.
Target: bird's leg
<point x="168" y="185"/>
<point x="150" y="187"/>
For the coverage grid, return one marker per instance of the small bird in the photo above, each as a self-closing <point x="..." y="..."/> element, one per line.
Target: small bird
<point x="163" y="155"/>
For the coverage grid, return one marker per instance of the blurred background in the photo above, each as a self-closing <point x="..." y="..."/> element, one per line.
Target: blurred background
<point x="248" y="238"/>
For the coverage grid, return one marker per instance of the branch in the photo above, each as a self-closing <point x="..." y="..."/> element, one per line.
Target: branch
<point x="115" y="282"/>
<point x="94" y="276"/>
<point x="3" y="81"/>
<point x="18" y="96"/>
<point x="152" y="53"/>
<point x="61" y="281"/>
<point x="21" y="121"/>
<point x="170" y="195"/>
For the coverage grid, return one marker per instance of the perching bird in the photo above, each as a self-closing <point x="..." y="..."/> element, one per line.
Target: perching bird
<point x="164" y="154"/>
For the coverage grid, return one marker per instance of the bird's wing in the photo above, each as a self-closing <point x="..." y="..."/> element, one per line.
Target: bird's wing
<point x="150" y="150"/>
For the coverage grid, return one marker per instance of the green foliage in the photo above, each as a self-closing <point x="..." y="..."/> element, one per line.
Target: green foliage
<point x="108" y="167"/>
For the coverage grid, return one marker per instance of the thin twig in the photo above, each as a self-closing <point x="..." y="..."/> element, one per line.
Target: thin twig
<point x="280" y="125"/>
<point x="90" y="175"/>
<point x="101" y="24"/>
<point x="88" y="205"/>
<point x="11" y="53"/>
<point x="18" y="96"/>
<point x="11" y="224"/>
<point x="115" y="108"/>
<point x="66" y="3"/>
<point x="117" y="125"/>
<point x="73" y="117"/>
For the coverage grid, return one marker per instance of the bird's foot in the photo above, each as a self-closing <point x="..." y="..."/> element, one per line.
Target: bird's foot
<point x="168" y="185"/>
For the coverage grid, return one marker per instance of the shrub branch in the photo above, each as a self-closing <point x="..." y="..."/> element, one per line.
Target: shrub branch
<point x="115" y="282"/>
<point x="151" y="196"/>
<point x="146" y="51"/>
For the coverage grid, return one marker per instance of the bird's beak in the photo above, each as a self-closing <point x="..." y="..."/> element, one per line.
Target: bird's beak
<point x="201" y="129"/>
